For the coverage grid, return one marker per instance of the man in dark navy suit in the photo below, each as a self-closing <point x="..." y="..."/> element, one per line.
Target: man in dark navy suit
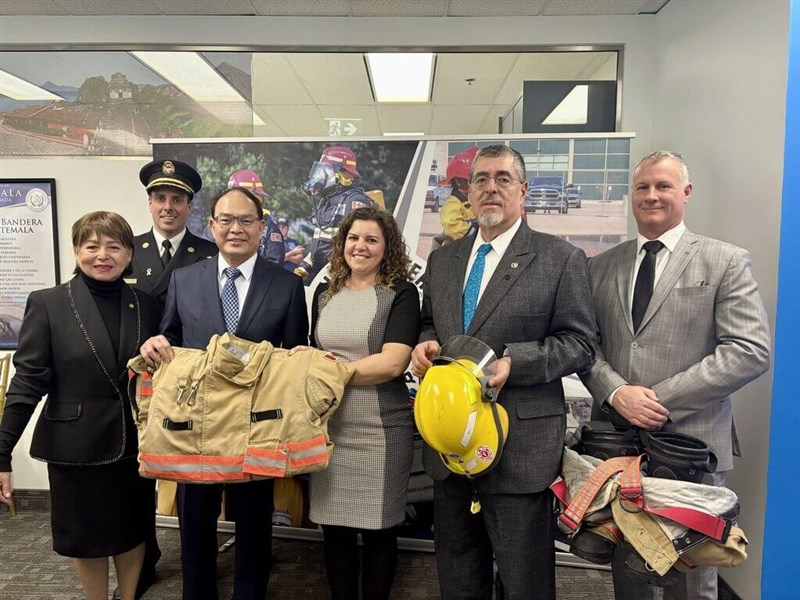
<point x="171" y="186"/>
<point x="245" y="295"/>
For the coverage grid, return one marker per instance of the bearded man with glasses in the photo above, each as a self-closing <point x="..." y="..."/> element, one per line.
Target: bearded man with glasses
<point x="526" y="295"/>
<point x="241" y="293"/>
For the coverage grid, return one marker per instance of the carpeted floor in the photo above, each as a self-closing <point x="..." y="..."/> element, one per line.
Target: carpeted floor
<point x="30" y="570"/>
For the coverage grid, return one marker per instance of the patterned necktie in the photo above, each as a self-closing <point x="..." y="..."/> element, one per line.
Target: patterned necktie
<point x="473" y="287"/>
<point x="230" y="300"/>
<point x="167" y="254"/>
<point x="643" y="289"/>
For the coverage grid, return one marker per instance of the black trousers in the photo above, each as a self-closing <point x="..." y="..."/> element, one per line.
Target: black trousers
<point x="198" y="511"/>
<point x="516" y="530"/>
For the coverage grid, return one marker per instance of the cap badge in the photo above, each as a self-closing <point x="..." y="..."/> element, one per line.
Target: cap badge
<point x="168" y="168"/>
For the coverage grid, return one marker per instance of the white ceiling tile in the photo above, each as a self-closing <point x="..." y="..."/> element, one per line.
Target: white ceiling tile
<point x="203" y="7"/>
<point x="302" y="8"/>
<point x="297" y="120"/>
<point x="592" y="7"/>
<point x="333" y="78"/>
<point x="493" y="115"/>
<point x="31" y="7"/>
<point x="489" y="71"/>
<point x="106" y="7"/>
<point x="395" y="8"/>
<point x="275" y="82"/>
<point x="455" y="120"/>
<point x="399" y="118"/>
<point x="269" y="128"/>
<point x="498" y="8"/>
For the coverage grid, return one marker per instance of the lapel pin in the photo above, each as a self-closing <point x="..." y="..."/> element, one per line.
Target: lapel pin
<point x="190" y="250"/>
<point x="130" y="305"/>
<point x="514" y="265"/>
<point x="146" y="245"/>
<point x="149" y="272"/>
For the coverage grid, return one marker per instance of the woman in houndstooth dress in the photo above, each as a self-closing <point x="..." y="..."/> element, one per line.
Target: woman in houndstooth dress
<point x="368" y="316"/>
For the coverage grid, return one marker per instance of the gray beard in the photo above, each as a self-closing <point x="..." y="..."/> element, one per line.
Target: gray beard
<point x="490" y="219"/>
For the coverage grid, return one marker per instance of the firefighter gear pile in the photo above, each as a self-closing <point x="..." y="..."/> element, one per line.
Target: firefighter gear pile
<point x="236" y="411"/>
<point x="669" y="523"/>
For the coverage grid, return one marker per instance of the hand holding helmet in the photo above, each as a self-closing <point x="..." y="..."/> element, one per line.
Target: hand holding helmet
<point x="456" y="410"/>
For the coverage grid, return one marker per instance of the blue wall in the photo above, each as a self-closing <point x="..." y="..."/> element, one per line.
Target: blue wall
<point x="781" y="567"/>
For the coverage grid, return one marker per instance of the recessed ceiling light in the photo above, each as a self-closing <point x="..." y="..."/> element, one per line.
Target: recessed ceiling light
<point x="401" y="77"/>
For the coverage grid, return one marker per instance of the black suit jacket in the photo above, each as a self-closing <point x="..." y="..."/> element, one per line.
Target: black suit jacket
<point x="274" y="310"/>
<point x="537" y="305"/>
<point x="150" y="276"/>
<point x="66" y="353"/>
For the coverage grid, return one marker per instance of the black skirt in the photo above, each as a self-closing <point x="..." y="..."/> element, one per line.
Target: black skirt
<point x="101" y="510"/>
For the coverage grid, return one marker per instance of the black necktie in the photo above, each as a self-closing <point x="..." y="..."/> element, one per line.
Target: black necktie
<point x="167" y="254"/>
<point x="643" y="289"/>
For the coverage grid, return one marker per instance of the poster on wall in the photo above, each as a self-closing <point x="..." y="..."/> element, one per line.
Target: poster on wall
<point x="28" y="249"/>
<point x="577" y="190"/>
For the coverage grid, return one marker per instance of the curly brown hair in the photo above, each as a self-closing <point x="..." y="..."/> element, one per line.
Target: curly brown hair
<point x="395" y="266"/>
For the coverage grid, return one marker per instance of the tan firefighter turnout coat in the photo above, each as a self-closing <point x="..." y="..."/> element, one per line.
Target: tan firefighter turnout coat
<point x="235" y="412"/>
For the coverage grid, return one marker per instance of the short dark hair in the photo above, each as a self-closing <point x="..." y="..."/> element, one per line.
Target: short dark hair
<point x="154" y="190"/>
<point x="496" y="150"/>
<point x="251" y="196"/>
<point x="101" y="222"/>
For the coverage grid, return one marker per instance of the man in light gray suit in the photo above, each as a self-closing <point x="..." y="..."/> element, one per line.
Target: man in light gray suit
<point x="530" y="303"/>
<point x="678" y="335"/>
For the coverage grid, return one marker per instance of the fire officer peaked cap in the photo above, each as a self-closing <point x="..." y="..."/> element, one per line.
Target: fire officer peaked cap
<point x="460" y="164"/>
<point x="248" y="179"/>
<point x="173" y="173"/>
<point x="340" y="157"/>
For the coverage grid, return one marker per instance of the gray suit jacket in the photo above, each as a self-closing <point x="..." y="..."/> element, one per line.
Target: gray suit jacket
<point x="537" y="306"/>
<point x="703" y="336"/>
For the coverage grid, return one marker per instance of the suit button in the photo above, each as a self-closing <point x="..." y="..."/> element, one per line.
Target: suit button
<point x="634" y="345"/>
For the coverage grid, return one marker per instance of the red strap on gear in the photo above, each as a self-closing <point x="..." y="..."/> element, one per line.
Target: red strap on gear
<point x="574" y="513"/>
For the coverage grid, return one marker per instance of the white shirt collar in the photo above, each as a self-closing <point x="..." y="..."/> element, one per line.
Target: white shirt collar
<point x="669" y="238"/>
<point x="246" y="267"/>
<point x="175" y="240"/>
<point x="500" y="243"/>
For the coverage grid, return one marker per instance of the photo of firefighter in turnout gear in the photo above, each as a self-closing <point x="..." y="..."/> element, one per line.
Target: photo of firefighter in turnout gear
<point x="332" y="185"/>
<point x="456" y="216"/>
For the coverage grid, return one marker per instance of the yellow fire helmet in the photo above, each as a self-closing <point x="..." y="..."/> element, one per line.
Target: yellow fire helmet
<point x="456" y="412"/>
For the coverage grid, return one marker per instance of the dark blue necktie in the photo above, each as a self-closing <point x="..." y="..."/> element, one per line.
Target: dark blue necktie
<point x="230" y="299"/>
<point x="473" y="288"/>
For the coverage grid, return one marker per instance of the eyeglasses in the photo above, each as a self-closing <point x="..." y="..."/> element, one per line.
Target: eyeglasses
<point x="501" y="181"/>
<point x="229" y="220"/>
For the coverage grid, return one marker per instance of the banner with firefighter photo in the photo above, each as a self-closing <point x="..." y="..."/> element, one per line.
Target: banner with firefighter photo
<point x="577" y="190"/>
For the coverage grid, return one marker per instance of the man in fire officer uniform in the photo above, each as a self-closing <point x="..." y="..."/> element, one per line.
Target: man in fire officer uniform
<point x="331" y="186"/>
<point x="171" y="186"/>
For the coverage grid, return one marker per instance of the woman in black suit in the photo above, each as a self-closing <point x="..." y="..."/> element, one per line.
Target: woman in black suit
<point x="74" y="345"/>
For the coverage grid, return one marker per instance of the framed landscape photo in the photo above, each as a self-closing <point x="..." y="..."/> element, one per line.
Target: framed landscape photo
<point x="28" y="249"/>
